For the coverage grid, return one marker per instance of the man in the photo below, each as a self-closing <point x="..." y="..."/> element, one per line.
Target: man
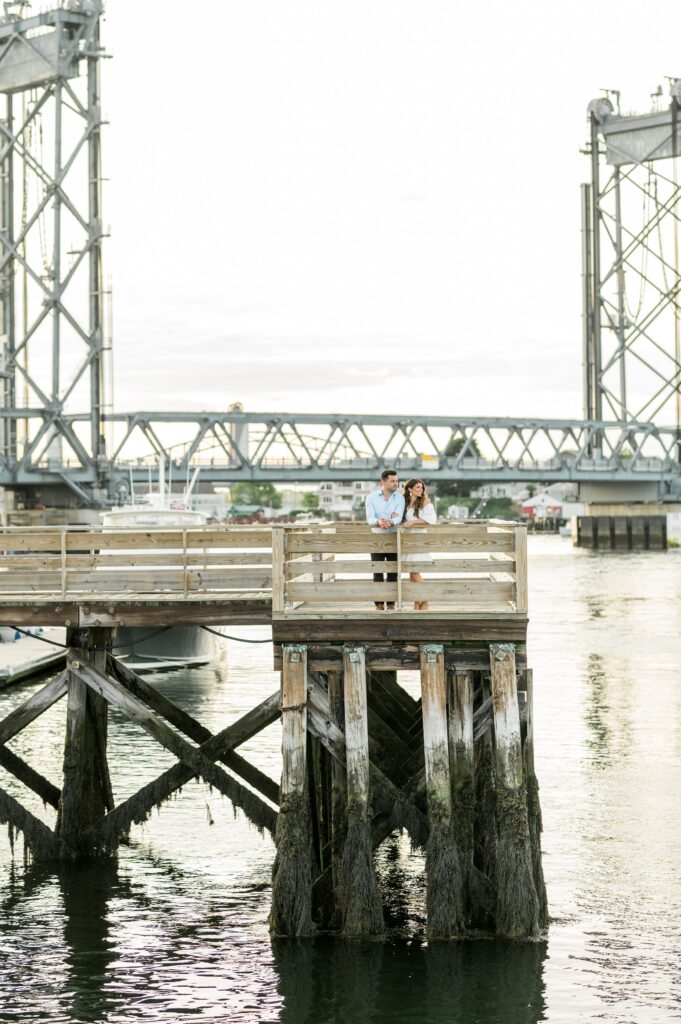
<point x="385" y="509"/>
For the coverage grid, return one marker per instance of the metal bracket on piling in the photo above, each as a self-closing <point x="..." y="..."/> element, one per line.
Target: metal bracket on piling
<point x="499" y="651"/>
<point x="353" y="651"/>
<point x="431" y="651"/>
<point x="294" y="651"/>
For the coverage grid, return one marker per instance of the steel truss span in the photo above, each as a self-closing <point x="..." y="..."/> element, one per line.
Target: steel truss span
<point x="238" y="446"/>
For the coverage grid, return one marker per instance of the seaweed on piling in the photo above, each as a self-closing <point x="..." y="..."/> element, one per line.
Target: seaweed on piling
<point x="534" y="820"/>
<point x="444" y="901"/>
<point x="291" y="912"/>
<point x="362" y="911"/>
<point x="517" y="913"/>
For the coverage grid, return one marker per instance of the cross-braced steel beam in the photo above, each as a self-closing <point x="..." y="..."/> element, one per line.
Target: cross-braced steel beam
<point x="51" y="289"/>
<point x="630" y="232"/>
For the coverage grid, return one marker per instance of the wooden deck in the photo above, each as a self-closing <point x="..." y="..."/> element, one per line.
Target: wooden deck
<point x="311" y="580"/>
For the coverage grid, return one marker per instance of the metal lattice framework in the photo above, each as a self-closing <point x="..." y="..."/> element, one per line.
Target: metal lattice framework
<point x="270" y="446"/>
<point x="630" y="235"/>
<point x="50" y="240"/>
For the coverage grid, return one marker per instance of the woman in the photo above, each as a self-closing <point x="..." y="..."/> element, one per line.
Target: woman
<point x="418" y="512"/>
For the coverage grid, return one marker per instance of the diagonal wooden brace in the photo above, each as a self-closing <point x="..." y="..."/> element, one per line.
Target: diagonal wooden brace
<point x="193" y="758"/>
<point x="190" y="727"/>
<point x="33" y="707"/>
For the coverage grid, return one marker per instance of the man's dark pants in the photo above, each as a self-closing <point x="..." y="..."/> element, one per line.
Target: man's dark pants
<point x="388" y="577"/>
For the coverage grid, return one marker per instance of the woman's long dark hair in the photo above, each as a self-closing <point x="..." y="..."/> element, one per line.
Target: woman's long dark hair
<point x="420" y="502"/>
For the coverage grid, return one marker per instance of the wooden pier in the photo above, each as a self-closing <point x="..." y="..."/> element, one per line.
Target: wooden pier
<point x="360" y="756"/>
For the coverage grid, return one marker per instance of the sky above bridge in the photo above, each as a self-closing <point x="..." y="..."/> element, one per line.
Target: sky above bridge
<point x="358" y="206"/>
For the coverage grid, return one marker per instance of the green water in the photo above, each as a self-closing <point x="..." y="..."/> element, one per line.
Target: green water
<point x="177" y="929"/>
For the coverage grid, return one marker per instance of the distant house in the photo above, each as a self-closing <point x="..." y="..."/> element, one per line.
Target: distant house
<point x="542" y="506"/>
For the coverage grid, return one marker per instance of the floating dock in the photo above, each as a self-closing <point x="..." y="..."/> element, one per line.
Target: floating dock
<point x="360" y="756"/>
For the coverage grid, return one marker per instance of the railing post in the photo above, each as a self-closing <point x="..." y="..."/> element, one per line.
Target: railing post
<point x="63" y="562"/>
<point x="399" y="569"/>
<point x="278" y="568"/>
<point x="520" y="553"/>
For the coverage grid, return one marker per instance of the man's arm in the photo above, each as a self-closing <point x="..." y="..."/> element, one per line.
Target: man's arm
<point x="372" y="518"/>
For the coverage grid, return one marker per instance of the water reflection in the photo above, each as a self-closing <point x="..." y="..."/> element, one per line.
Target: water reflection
<point x="366" y="982"/>
<point x="87" y="892"/>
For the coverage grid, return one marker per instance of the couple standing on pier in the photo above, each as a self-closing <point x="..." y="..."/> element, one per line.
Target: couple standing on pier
<point x="386" y="509"/>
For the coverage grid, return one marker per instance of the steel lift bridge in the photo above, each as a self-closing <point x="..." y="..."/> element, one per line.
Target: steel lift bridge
<point x="62" y="441"/>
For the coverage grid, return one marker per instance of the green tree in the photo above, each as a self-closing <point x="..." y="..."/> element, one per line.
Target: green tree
<point x="310" y="500"/>
<point x="266" y="495"/>
<point x="457" y="488"/>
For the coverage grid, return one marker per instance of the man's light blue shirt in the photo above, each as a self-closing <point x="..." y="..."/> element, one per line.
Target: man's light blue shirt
<point x="378" y="508"/>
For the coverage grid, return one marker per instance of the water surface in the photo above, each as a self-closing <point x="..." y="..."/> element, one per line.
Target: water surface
<point x="177" y="929"/>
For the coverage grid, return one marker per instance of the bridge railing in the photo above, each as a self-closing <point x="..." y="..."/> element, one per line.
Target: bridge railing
<point x="74" y="561"/>
<point x="465" y="567"/>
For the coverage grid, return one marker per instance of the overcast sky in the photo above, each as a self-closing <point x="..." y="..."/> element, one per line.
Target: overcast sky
<point x="358" y="206"/>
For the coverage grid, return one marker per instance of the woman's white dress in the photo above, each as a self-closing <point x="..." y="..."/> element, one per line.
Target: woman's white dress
<point x="427" y="513"/>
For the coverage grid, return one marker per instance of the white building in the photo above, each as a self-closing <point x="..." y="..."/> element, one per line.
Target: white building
<point x="345" y="498"/>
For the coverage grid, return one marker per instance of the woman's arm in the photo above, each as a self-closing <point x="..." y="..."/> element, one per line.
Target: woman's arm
<point x="427" y="516"/>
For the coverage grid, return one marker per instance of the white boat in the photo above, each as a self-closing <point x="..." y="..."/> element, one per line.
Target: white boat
<point x="148" y="649"/>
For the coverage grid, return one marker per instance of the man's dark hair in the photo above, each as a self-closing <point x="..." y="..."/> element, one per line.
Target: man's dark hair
<point x="388" y="472"/>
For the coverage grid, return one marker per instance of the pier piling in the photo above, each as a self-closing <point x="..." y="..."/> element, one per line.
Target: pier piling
<point x="292" y="873"/>
<point x="362" y="911"/>
<point x="517" y="910"/>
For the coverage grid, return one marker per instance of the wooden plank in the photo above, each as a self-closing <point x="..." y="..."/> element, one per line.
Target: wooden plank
<point x="356" y="728"/>
<point x="279" y="595"/>
<point x="460" y="727"/>
<point x="359" y="567"/>
<point x="459" y="591"/>
<point x="436" y="541"/>
<point x="344" y="591"/>
<point x="294" y="720"/>
<point x="506" y="715"/>
<point x="415" y="629"/>
<point x="32" y="708"/>
<point x="340" y="544"/>
<point x="521" y="594"/>
<point x="435" y="742"/>
<point x="12" y="763"/>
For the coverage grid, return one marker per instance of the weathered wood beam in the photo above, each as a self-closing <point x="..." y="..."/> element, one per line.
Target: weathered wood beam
<point x="32" y="708"/>
<point x="291" y="913"/>
<point x="261" y="782"/>
<point x="12" y="763"/>
<point x="40" y="839"/>
<point x="86" y="791"/>
<point x="138" y="807"/>
<point x="194" y="758"/>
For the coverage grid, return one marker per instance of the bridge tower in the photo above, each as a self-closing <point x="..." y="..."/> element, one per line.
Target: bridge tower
<point x="53" y="348"/>
<point x="630" y="253"/>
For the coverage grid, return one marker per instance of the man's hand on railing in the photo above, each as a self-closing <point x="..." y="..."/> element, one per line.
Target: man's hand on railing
<point x="385" y="524"/>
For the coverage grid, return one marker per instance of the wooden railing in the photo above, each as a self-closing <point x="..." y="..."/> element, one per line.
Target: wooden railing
<point x="480" y="566"/>
<point x="466" y="567"/>
<point x="74" y="561"/>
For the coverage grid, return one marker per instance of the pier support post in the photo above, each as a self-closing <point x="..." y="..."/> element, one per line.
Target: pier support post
<point x="460" y="731"/>
<point x="339" y="801"/>
<point x="534" y="807"/>
<point x="86" y="792"/>
<point x="445" y="914"/>
<point x="517" y="914"/>
<point x="362" y="911"/>
<point x="485" y="825"/>
<point x="292" y="874"/>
